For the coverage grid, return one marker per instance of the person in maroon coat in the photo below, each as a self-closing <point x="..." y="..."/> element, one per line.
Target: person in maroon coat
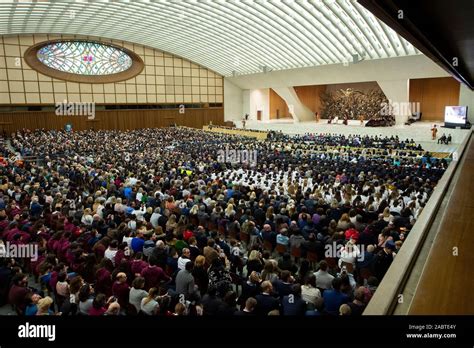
<point x="121" y="290"/>
<point x="138" y="264"/>
<point x="17" y="295"/>
<point x="153" y="275"/>
<point x="103" y="277"/>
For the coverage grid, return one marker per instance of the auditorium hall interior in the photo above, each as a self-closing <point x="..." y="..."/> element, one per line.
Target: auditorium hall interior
<point x="236" y="158"/>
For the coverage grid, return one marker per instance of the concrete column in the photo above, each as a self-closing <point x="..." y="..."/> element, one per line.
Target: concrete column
<point x="398" y="94"/>
<point x="233" y="102"/>
<point x="257" y="100"/>
<point x="297" y="109"/>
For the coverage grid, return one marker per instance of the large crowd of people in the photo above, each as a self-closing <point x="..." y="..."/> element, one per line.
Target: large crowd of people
<point x="154" y="222"/>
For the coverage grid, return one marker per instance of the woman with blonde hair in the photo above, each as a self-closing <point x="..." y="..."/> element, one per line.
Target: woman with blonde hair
<point x="43" y="306"/>
<point x="118" y="206"/>
<point x="386" y="215"/>
<point x="291" y="210"/>
<point x="254" y="262"/>
<point x="96" y="204"/>
<point x="201" y="278"/>
<point x="194" y="210"/>
<point x="149" y="304"/>
<point x="171" y="223"/>
<point x="344" y="222"/>
<point x="269" y="215"/>
<point x="112" y="200"/>
<point x="229" y="211"/>
<point x="87" y="218"/>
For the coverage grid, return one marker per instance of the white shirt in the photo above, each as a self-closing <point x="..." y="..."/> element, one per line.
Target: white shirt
<point x="139" y="213"/>
<point x="127" y="240"/>
<point x="310" y="294"/>
<point x="100" y="211"/>
<point x="110" y="254"/>
<point x="132" y="225"/>
<point x="182" y="262"/>
<point x="149" y="308"/>
<point x="154" y="219"/>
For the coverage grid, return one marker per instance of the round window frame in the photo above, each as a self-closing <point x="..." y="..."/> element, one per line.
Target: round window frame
<point x="31" y="58"/>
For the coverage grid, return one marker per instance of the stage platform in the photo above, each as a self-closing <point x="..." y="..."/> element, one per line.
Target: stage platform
<point x="420" y="132"/>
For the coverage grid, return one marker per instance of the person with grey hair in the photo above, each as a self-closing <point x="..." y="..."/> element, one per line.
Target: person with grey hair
<point x="184" y="258"/>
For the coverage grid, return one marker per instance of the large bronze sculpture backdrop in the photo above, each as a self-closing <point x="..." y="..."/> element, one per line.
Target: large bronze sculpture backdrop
<point x="350" y="104"/>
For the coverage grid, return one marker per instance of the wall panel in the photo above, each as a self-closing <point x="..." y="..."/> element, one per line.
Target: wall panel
<point x="278" y="107"/>
<point x="310" y="96"/>
<point x="434" y="94"/>
<point x="112" y="119"/>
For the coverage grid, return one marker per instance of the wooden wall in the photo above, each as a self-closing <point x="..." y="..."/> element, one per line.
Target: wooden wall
<point x="309" y="96"/>
<point x="112" y="119"/>
<point x="278" y="103"/>
<point x="434" y="94"/>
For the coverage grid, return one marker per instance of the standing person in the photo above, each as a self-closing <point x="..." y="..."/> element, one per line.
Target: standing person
<point x="323" y="278"/>
<point x="137" y="294"/>
<point x="149" y="304"/>
<point x="384" y="259"/>
<point x="200" y="275"/>
<point x="121" y="290"/>
<point x="17" y="295"/>
<point x="434" y="131"/>
<point x="185" y="281"/>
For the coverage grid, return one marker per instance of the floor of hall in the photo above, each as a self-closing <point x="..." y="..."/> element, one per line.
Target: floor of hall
<point x="420" y="132"/>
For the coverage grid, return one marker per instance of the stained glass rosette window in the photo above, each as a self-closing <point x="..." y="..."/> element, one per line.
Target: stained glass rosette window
<point x="84" y="58"/>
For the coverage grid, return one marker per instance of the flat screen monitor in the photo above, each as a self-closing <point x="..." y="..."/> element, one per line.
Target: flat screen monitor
<point x="455" y="115"/>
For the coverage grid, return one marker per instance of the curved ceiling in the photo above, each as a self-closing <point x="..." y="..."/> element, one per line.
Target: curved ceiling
<point x="231" y="37"/>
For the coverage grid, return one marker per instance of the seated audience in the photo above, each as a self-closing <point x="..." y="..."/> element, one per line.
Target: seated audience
<point x="161" y="211"/>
